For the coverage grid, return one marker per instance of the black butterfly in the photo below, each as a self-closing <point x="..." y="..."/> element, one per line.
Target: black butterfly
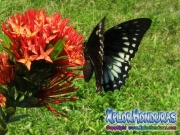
<point x="108" y="54"/>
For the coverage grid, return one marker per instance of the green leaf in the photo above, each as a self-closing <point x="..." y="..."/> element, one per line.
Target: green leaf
<point x="62" y="57"/>
<point x="57" y="49"/>
<point x="2" y="114"/>
<point x="29" y="102"/>
<point x="3" y="90"/>
<point x="17" y="118"/>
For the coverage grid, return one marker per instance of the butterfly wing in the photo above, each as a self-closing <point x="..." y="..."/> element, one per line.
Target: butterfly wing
<point x="120" y="45"/>
<point x="93" y="54"/>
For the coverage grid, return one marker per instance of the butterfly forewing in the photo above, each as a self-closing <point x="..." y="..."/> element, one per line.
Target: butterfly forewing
<point x="93" y="53"/>
<point x="120" y="45"/>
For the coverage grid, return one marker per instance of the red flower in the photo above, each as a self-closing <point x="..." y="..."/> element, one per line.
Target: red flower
<point x="27" y="59"/>
<point x="34" y="35"/>
<point x="57" y="91"/>
<point x="7" y="71"/>
<point x="2" y="100"/>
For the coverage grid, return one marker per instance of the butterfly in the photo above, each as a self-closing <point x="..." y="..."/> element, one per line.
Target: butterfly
<point x="108" y="54"/>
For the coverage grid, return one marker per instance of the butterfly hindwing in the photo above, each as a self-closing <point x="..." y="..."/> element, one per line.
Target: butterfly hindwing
<point x="121" y="42"/>
<point x="93" y="53"/>
<point x="115" y="73"/>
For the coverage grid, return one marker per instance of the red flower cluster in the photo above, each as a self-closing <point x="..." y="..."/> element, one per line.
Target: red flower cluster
<point x="34" y="36"/>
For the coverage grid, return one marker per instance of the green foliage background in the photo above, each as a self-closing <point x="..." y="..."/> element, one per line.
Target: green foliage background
<point x="154" y="80"/>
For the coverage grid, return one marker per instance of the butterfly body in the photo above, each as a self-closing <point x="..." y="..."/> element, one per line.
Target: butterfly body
<point x="108" y="54"/>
